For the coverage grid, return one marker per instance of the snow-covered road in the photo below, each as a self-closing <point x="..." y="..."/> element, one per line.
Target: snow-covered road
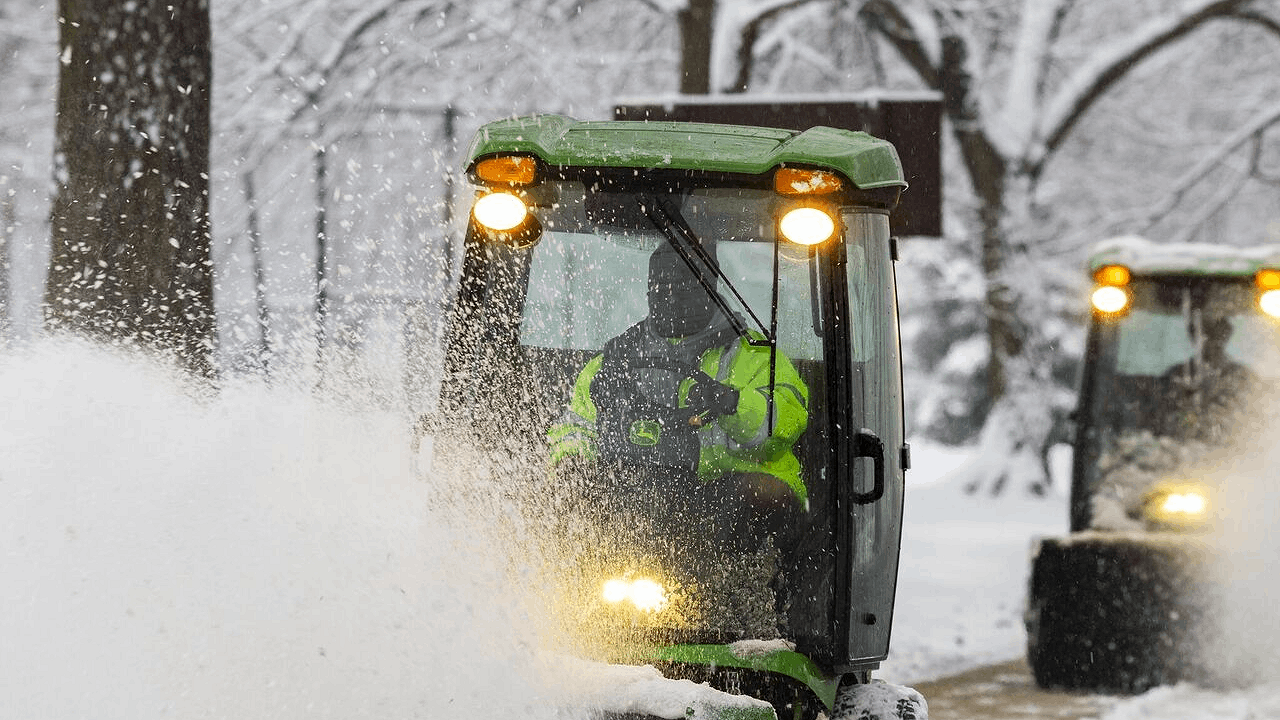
<point x="1006" y="691"/>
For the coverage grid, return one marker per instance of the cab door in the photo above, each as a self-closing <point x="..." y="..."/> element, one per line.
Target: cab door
<point x="871" y="445"/>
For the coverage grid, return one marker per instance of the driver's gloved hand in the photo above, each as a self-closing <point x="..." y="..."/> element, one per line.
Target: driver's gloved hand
<point x="709" y="396"/>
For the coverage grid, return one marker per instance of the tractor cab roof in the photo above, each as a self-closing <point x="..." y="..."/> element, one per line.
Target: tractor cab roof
<point x="1150" y="259"/>
<point x="556" y="140"/>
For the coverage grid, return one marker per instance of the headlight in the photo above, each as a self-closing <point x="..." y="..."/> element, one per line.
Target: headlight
<point x="643" y="593"/>
<point x="1269" y="301"/>
<point x="500" y="211"/>
<point x="1190" y="504"/>
<point x="1182" y="506"/>
<point x="1110" y="299"/>
<point x="807" y="226"/>
<point x="616" y="590"/>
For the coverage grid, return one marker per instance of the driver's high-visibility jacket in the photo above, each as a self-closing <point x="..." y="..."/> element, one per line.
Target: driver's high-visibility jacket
<point x="737" y="442"/>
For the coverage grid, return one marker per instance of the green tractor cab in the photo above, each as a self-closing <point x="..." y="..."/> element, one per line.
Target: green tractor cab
<point x="725" y="505"/>
<point x="1182" y="346"/>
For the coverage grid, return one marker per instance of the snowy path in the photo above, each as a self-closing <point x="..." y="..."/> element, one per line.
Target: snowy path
<point x="963" y="574"/>
<point x="1007" y="692"/>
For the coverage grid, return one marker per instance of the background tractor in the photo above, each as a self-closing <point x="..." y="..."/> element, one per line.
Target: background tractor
<point x="1181" y="351"/>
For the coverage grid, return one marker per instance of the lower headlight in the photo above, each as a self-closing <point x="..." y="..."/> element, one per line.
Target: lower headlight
<point x="642" y="593"/>
<point x="1189" y="504"/>
<point x="1182" y="505"/>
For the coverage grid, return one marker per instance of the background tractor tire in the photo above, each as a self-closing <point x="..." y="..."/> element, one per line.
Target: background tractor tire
<point x="1116" y="612"/>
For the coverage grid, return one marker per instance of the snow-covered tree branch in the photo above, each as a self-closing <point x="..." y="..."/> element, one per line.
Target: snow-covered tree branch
<point x="1108" y="65"/>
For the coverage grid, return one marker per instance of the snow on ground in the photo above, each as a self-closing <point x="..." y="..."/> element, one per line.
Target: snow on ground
<point x="964" y="567"/>
<point x="168" y="553"/>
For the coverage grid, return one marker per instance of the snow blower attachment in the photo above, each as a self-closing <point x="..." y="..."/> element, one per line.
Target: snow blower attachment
<point x="1182" y="345"/>
<point x="679" y="342"/>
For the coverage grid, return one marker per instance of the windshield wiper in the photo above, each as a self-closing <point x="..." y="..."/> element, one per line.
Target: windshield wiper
<point x="667" y="218"/>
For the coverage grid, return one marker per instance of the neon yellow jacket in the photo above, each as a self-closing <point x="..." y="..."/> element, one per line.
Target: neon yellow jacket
<point x="738" y="442"/>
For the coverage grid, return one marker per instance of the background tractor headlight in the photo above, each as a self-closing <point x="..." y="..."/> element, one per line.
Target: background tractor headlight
<point x="1192" y="504"/>
<point x="1183" y="506"/>
<point x="1110" y="299"/>
<point x="1269" y="301"/>
<point x="807" y="225"/>
<point x="500" y="211"/>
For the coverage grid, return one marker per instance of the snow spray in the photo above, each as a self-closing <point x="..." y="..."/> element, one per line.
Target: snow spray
<point x="1241" y="638"/>
<point x="168" y="551"/>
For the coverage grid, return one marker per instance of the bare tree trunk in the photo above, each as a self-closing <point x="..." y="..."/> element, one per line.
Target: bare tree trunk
<point x="696" y="23"/>
<point x="259" y="272"/>
<point x="8" y="225"/>
<point x="987" y="171"/>
<point x="130" y="221"/>
<point x="322" y="253"/>
<point x="748" y="36"/>
<point x="450" y="130"/>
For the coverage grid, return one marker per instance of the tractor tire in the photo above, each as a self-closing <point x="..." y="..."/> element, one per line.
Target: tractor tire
<point x="878" y="700"/>
<point x="1116" y="613"/>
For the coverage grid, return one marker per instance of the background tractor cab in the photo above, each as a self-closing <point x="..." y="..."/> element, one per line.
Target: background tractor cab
<point x="1182" y="349"/>
<point x="789" y="233"/>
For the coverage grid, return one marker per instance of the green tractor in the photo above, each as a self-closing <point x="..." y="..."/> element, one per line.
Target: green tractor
<point x="722" y="502"/>
<point x="1182" y="344"/>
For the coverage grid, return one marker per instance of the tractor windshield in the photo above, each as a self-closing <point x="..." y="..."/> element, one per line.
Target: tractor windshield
<point x="1182" y="361"/>
<point x="589" y="275"/>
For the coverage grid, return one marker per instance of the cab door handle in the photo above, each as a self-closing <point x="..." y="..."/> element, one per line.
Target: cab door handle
<point x="867" y="444"/>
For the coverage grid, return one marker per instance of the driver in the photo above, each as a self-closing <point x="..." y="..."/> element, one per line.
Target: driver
<point x="1211" y="391"/>
<point x="680" y="391"/>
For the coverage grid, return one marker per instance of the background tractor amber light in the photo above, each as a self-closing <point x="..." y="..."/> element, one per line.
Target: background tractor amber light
<point x="1267" y="279"/>
<point x="615" y="590"/>
<point x="1112" y="275"/>
<point x="807" y="226"/>
<point x="511" y="169"/>
<point x="1110" y="299"/>
<point x="500" y="211"/>
<point x="648" y="595"/>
